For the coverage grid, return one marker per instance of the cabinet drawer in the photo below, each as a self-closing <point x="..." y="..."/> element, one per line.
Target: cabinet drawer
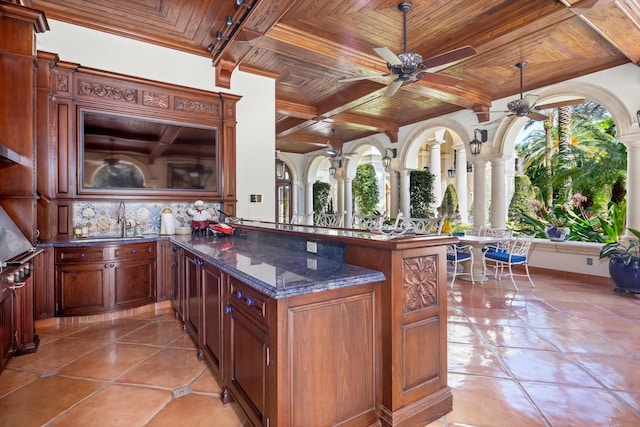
<point x="248" y="300"/>
<point x="134" y="250"/>
<point x="82" y="253"/>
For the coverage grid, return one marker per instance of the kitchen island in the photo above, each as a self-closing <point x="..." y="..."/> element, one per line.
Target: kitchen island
<point x="347" y="354"/>
<point x="314" y="326"/>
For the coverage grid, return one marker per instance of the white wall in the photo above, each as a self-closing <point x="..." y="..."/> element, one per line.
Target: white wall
<point x="255" y="139"/>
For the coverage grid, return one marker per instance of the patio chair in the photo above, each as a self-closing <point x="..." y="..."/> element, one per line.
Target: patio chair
<point x="420" y="225"/>
<point x="457" y="254"/>
<point x="495" y="232"/>
<point x="508" y="254"/>
<point x="330" y="220"/>
<point x="367" y="222"/>
<point x="302" y="219"/>
<point x="477" y="230"/>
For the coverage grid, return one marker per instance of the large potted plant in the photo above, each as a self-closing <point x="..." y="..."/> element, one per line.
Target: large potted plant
<point x="624" y="263"/>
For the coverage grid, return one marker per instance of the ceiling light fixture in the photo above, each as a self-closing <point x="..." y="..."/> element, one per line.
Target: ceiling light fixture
<point x="386" y="160"/>
<point x="476" y="144"/>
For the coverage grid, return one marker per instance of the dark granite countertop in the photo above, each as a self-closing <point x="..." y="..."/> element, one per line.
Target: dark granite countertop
<point x="274" y="271"/>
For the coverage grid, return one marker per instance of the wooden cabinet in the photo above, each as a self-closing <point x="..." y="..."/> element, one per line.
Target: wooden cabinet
<point x="7" y="325"/>
<point x="247" y="350"/>
<point x="203" y="289"/>
<point x="164" y="271"/>
<point x="192" y="304"/>
<point x="212" y="330"/>
<point x="96" y="279"/>
<point x="177" y="281"/>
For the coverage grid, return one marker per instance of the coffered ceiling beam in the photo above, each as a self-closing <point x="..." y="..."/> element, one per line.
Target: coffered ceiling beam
<point x="617" y="21"/>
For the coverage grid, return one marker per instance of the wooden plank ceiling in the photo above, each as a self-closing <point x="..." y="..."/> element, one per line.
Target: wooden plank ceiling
<point x="309" y="45"/>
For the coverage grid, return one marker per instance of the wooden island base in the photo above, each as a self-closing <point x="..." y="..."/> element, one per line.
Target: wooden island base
<point x="372" y="353"/>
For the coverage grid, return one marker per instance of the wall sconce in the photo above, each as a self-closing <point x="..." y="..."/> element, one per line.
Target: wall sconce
<point x="452" y="170"/>
<point x="333" y="169"/>
<point x="638" y="116"/>
<point x="476" y="144"/>
<point x="386" y="160"/>
<point x="279" y="168"/>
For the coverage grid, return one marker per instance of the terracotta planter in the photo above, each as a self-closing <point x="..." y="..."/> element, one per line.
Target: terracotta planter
<point x="626" y="277"/>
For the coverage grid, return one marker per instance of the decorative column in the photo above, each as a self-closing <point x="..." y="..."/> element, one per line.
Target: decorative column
<point x="348" y="201"/>
<point x="479" y="192"/>
<point x="405" y="198"/>
<point x="436" y="170"/>
<point x="498" y="193"/>
<point x="394" y="193"/>
<point x="632" y="142"/>
<point x="461" y="185"/>
<point x="339" y="205"/>
<point x="308" y="200"/>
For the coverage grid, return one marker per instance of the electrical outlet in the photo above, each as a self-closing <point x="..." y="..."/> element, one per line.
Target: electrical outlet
<point x="589" y="261"/>
<point x="312" y="264"/>
<point x="312" y="247"/>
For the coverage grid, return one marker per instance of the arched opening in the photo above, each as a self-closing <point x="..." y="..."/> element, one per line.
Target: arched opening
<point x="284" y="192"/>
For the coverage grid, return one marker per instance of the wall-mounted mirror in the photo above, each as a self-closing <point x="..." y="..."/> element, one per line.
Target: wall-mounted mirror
<point x="124" y="152"/>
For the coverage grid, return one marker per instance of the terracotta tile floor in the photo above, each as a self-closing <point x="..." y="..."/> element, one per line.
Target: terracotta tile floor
<point x="560" y="354"/>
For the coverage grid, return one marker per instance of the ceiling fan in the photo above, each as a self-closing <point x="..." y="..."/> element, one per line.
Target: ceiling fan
<point x="409" y="66"/>
<point x="526" y="105"/>
<point x="332" y="152"/>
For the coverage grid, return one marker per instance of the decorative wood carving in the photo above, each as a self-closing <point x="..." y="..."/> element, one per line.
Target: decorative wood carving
<point x="106" y="91"/>
<point x="153" y="99"/>
<point x="62" y="83"/>
<point x="419" y="283"/>
<point x="195" y="106"/>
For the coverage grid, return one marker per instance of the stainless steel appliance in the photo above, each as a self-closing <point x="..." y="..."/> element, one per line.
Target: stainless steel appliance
<point x="17" y="334"/>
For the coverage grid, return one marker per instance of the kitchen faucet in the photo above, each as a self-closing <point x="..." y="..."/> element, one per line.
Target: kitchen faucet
<point x="122" y="220"/>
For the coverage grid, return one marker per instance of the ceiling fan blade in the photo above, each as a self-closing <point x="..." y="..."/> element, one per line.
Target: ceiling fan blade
<point x="451" y="56"/>
<point x="534" y="115"/>
<point x="530" y="100"/>
<point x="560" y="104"/>
<point x="441" y="79"/>
<point x="393" y="88"/>
<point x="386" y="54"/>
<point x="353" y="79"/>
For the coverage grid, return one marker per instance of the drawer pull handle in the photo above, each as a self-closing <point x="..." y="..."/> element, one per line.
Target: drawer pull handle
<point x="249" y="301"/>
<point x="109" y="266"/>
<point x="228" y="309"/>
<point x="135" y="251"/>
<point x="81" y="255"/>
<point x="238" y="294"/>
<point x="17" y="286"/>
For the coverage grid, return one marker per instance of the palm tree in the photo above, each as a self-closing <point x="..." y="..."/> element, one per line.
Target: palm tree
<point x="589" y="159"/>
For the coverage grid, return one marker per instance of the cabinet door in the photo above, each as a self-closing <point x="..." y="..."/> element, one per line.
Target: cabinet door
<point x="212" y="314"/>
<point x="192" y="296"/>
<point x="163" y="272"/>
<point x="177" y="281"/>
<point x="82" y="289"/>
<point x="246" y="363"/>
<point x="7" y="326"/>
<point x="133" y="283"/>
